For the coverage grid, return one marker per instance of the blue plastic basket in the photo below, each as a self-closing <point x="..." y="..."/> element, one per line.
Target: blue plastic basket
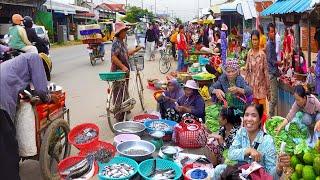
<point x="145" y="168"/>
<point x="118" y="160"/>
<point x="147" y="124"/>
<point x="203" y="61"/>
<point x="112" y="76"/>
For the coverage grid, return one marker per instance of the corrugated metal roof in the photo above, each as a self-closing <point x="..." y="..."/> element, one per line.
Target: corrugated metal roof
<point x="288" y="6"/>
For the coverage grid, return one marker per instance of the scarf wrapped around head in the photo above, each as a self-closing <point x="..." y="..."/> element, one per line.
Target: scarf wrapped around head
<point x="233" y="64"/>
<point x="177" y="92"/>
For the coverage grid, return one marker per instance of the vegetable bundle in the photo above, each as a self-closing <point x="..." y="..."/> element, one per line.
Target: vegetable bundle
<point x="293" y="135"/>
<point x="212" y="117"/>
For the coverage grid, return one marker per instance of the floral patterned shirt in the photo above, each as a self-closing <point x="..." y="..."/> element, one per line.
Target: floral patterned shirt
<point x="119" y="49"/>
<point x="228" y="139"/>
<point x="257" y="74"/>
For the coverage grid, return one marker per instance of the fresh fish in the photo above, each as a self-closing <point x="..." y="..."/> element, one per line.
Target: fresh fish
<point x="87" y="135"/>
<point x="121" y="170"/>
<point x="164" y="174"/>
<point x="84" y="170"/>
<point x="75" y="167"/>
<point x="89" y="174"/>
<point x="159" y="126"/>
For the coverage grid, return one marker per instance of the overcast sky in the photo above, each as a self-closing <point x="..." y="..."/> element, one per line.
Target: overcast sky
<point x="184" y="9"/>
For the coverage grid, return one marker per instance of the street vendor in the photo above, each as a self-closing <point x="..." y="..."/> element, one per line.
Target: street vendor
<point x="309" y="105"/>
<point x="191" y="102"/>
<point x="169" y="97"/>
<point x="257" y="71"/>
<point x="252" y="144"/>
<point x="16" y="74"/>
<point x="120" y="62"/>
<point x="230" y="81"/>
<point x="229" y="121"/>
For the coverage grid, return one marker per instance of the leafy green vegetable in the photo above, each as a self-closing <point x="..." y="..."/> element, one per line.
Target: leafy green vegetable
<point x="294" y="132"/>
<point x="212" y="117"/>
<point x="226" y="159"/>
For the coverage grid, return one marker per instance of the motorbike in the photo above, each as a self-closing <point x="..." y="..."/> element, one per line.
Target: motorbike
<point x="94" y="53"/>
<point x="46" y="58"/>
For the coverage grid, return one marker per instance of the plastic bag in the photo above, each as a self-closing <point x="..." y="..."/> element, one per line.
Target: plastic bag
<point x="26" y="130"/>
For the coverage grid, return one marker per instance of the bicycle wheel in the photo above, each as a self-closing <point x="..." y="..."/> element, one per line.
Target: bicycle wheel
<point x="140" y="90"/>
<point x="92" y="59"/>
<point x="54" y="148"/>
<point x="119" y="103"/>
<point x="164" y="64"/>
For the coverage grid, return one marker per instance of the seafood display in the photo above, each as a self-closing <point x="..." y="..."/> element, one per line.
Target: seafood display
<point x="136" y="152"/>
<point x="160" y="126"/>
<point x="102" y="155"/>
<point x="121" y="170"/>
<point x="83" y="169"/>
<point x="86" y="136"/>
<point x="163" y="174"/>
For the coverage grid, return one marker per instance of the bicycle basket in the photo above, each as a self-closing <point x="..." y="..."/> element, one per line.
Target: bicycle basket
<point x="137" y="62"/>
<point x="112" y="76"/>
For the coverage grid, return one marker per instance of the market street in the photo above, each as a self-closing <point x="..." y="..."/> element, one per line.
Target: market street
<point x="86" y="92"/>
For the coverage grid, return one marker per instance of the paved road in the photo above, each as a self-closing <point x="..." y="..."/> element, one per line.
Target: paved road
<point x="86" y="92"/>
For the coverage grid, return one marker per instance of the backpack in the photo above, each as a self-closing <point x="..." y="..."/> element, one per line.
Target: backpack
<point x="173" y="37"/>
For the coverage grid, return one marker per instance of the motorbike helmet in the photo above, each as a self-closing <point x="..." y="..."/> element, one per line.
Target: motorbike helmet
<point x="28" y="22"/>
<point x="17" y="19"/>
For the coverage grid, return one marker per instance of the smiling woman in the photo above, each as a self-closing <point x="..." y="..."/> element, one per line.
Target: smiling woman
<point x="251" y="144"/>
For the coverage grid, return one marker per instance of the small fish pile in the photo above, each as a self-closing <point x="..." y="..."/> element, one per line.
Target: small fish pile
<point x="136" y="152"/>
<point x="121" y="170"/>
<point x="164" y="174"/>
<point x="84" y="168"/>
<point x="160" y="126"/>
<point x="87" y="135"/>
<point x="102" y="155"/>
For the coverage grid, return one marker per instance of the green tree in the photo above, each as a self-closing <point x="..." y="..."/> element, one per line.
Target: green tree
<point x="178" y="20"/>
<point x="134" y="14"/>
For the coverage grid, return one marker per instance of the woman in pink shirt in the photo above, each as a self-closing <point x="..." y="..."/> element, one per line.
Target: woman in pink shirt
<point x="309" y="105"/>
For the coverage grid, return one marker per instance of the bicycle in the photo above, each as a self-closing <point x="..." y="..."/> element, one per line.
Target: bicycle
<point x="122" y="103"/>
<point x="164" y="62"/>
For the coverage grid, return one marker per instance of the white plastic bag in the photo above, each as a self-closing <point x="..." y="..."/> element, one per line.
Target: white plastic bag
<point x="26" y="130"/>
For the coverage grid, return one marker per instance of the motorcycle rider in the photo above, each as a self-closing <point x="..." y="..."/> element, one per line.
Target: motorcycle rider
<point x="16" y="74"/>
<point x="41" y="44"/>
<point x="18" y="36"/>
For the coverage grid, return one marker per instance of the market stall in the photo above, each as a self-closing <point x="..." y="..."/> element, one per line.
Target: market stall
<point x="303" y="12"/>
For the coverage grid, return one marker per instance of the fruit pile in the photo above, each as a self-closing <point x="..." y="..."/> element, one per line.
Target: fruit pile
<point x="306" y="163"/>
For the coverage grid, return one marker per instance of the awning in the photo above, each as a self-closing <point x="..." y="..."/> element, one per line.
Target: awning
<point x="60" y="7"/>
<point x="289" y="6"/>
<point x="243" y="7"/>
<point x="247" y="9"/>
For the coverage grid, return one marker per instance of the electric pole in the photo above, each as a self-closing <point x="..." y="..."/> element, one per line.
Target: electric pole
<point x="141" y="4"/>
<point x="155" y="7"/>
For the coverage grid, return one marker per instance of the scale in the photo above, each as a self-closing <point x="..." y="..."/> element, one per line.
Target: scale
<point x="157" y="139"/>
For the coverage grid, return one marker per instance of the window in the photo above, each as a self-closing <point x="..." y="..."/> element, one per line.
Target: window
<point x="39" y="30"/>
